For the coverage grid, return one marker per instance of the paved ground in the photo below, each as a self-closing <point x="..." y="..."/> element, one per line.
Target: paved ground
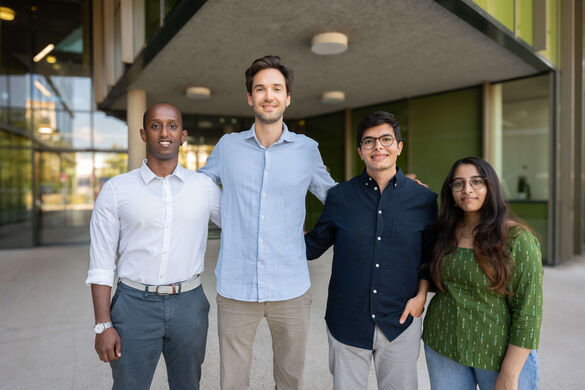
<point x="46" y="337"/>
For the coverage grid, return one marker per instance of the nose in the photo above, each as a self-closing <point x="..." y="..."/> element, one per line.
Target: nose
<point x="468" y="188"/>
<point x="269" y="94"/>
<point x="378" y="145"/>
<point x="164" y="131"/>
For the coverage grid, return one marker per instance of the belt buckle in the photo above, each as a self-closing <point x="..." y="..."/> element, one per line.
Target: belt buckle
<point x="161" y="294"/>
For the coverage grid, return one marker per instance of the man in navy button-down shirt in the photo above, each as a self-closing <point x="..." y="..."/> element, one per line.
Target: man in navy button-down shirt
<point x="262" y="268"/>
<point x="381" y="224"/>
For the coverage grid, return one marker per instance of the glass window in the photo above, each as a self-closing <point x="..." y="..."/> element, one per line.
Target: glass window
<point x="520" y="153"/>
<point x="109" y="132"/>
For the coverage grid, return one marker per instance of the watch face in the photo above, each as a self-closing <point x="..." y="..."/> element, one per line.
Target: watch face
<point x="99" y="328"/>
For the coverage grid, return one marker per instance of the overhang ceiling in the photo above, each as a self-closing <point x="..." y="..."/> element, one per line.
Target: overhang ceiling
<point x="397" y="49"/>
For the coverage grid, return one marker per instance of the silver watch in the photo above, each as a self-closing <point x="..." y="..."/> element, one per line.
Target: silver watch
<point x="101" y="326"/>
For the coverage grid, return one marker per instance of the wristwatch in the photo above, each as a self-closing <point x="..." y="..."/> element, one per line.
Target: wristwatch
<point x="101" y="326"/>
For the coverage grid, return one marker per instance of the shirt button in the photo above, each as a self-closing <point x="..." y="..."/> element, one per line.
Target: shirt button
<point x="379" y="238"/>
<point x="265" y="171"/>
<point x="264" y="194"/>
<point x="375" y="188"/>
<point x="165" y="252"/>
<point x="375" y="291"/>
<point x="261" y="240"/>
<point x="160" y="276"/>
<point x="373" y="316"/>
<point x="369" y="178"/>
<point x="379" y="211"/>
<point x="262" y="217"/>
<point x="377" y="265"/>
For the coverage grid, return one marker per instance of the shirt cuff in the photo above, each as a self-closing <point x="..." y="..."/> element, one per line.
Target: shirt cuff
<point x="100" y="276"/>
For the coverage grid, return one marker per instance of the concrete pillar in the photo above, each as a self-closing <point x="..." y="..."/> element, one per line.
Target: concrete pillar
<point x="136" y="99"/>
<point x="492" y="126"/>
<point x="566" y="136"/>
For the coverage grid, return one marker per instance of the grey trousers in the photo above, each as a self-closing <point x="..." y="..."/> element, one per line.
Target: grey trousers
<point x="148" y="324"/>
<point x="394" y="361"/>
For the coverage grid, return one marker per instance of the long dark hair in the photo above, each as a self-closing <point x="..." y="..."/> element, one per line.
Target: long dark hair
<point x="490" y="235"/>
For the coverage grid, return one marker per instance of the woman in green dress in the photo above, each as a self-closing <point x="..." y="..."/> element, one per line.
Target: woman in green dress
<point x="483" y="325"/>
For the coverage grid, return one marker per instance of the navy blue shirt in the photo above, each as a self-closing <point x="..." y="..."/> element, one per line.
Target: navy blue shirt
<point x="381" y="241"/>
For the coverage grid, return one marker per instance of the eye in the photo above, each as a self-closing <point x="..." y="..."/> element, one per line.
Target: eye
<point x="368" y="141"/>
<point x="173" y="126"/>
<point x="155" y="125"/>
<point x="458" y="184"/>
<point x="476" y="182"/>
<point x="387" y="139"/>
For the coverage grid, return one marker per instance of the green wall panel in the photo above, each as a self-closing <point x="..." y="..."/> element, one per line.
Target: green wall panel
<point x="524" y="19"/>
<point x="501" y="10"/>
<point x="329" y="131"/>
<point x="443" y="128"/>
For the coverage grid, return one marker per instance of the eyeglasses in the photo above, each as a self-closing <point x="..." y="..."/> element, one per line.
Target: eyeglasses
<point x="370" y="142"/>
<point x="476" y="182"/>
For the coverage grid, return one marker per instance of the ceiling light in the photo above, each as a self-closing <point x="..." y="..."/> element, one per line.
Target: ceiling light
<point x="333" y="97"/>
<point x="329" y="43"/>
<point x="42" y="88"/>
<point x="7" y="14"/>
<point x="51" y="59"/>
<point x="43" y="52"/>
<point x="198" y="93"/>
<point x="45" y="130"/>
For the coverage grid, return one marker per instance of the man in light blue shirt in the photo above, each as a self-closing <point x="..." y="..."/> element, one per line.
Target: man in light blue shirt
<point x="262" y="267"/>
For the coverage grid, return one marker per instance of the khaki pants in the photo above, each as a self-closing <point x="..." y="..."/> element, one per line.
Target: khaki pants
<point x="289" y="325"/>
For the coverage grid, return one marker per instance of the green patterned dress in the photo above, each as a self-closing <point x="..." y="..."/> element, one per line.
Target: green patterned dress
<point x="473" y="325"/>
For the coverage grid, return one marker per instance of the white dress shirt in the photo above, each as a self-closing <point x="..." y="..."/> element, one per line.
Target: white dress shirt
<point x="159" y="223"/>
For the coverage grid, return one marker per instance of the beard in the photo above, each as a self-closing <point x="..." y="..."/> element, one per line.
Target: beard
<point x="270" y="118"/>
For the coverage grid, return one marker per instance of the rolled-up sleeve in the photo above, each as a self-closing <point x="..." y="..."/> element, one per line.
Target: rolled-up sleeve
<point x="526" y="287"/>
<point x="104" y="233"/>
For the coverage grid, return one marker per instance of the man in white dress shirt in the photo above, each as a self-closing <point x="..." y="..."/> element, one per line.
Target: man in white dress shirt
<point x="156" y="218"/>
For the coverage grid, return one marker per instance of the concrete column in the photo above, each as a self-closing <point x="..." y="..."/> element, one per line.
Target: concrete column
<point x="492" y="126"/>
<point x="566" y="136"/>
<point x="349" y="148"/>
<point x="136" y="99"/>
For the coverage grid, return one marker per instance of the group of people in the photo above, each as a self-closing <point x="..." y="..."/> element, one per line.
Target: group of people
<point x="391" y="247"/>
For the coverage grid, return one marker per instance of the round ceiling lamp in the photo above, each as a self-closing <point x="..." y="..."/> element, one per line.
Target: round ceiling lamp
<point x="7" y="14"/>
<point x="330" y="43"/>
<point x="332" y="97"/>
<point x="198" y="93"/>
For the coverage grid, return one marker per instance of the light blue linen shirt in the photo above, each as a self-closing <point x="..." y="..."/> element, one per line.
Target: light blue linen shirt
<point x="262" y="255"/>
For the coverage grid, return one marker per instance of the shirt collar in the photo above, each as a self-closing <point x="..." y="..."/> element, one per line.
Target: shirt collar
<point x="396" y="181"/>
<point x="148" y="175"/>
<point x="286" y="136"/>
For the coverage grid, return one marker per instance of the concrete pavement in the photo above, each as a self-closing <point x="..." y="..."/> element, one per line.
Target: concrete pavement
<point x="46" y="337"/>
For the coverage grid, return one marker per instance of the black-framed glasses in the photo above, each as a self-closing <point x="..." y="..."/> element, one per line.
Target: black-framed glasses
<point x="476" y="182"/>
<point x="369" y="142"/>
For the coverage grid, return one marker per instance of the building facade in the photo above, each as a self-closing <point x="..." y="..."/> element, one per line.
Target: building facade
<point x="491" y="78"/>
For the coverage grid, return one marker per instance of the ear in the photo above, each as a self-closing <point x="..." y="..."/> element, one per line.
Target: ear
<point x="184" y="134"/>
<point x="143" y="135"/>
<point x="287" y="99"/>
<point x="359" y="150"/>
<point x="399" y="148"/>
<point x="250" y="100"/>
